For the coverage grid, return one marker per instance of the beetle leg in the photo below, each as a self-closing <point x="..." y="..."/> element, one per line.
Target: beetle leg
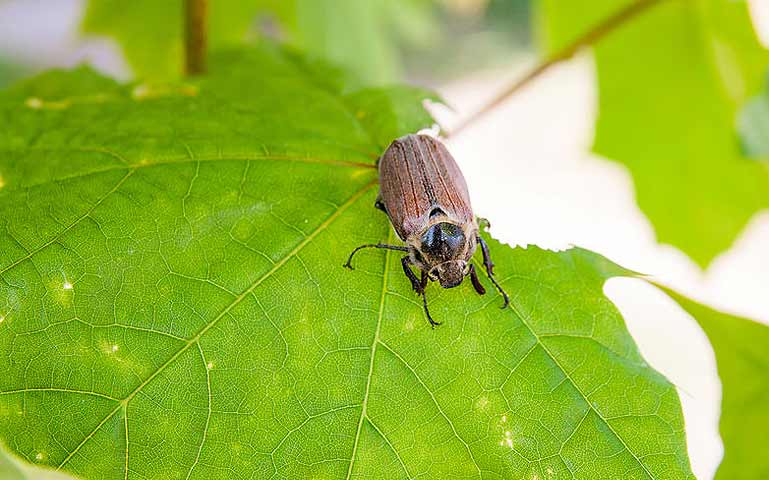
<point x="490" y="269"/>
<point x="374" y="245"/>
<point x="476" y="283"/>
<point x="486" y="256"/>
<point x="406" y="261"/>
<point x="433" y="323"/>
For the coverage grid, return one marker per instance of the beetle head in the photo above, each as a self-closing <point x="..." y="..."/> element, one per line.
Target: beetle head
<point x="450" y="274"/>
<point x="443" y="250"/>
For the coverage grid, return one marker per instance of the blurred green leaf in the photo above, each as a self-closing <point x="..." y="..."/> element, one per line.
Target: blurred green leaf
<point x="11" y="72"/>
<point x="174" y="305"/>
<point x="669" y="85"/>
<point x="362" y="36"/>
<point x="742" y="355"/>
<point x="150" y="32"/>
<point x="753" y="125"/>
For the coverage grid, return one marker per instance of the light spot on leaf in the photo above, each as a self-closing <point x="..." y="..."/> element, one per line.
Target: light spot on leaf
<point x="34" y="102"/>
<point x="145" y="91"/>
<point x="210" y="365"/>
<point x="141" y="91"/>
<point x="507" y="441"/>
<point x="67" y="285"/>
<point x="40" y="456"/>
<point x="482" y="402"/>
<point x="2" y="182"/>
<point x="115" y="348"/>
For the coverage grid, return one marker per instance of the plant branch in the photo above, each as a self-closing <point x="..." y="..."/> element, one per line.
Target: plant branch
<point x="195" y="36"/>
<point x="591" y="37"/>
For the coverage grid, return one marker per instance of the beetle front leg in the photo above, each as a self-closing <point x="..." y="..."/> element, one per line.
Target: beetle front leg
<point x="490" y="269"/>
<point x="476" y="283"/>
<point x="486" y="256"/>
<point x="415" y="284"/>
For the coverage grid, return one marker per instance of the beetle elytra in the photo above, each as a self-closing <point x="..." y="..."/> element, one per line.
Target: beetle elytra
<point x="424" y="194"/>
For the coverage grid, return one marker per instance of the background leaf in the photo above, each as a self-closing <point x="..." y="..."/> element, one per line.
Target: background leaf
<point x="753" y="125"/>
<point x="364" y="37"/>
<point x="669" y="84"/>
<point x="742" y="354"/>
<point x="174" y="305"/>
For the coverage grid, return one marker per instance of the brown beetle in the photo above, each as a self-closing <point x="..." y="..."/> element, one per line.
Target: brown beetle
<point x="423" y="192"/>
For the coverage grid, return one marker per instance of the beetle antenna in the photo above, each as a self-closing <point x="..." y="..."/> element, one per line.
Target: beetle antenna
<point x="476" y="283"/>
<point x="490" y="269"/>
<point x="374" y="245"/>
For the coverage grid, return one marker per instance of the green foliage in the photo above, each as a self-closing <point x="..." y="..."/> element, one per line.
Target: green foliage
<point x="753" y="126"/>
<point x="742" y="354"/>
<point x="363" y="36"/>
<point x="669" y="84"/>
<point x="150" y="32"/>
<point x="174" y="305"/>
<point x="10" y="72"/>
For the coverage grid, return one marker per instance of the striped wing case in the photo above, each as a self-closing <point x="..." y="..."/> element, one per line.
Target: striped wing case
<point x="419" y="179"/>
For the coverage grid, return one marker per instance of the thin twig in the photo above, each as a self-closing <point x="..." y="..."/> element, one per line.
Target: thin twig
<point x="595" y="34"/>
<point x="195" y="34"/>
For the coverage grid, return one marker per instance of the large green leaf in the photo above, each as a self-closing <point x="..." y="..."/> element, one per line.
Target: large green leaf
<point x="742" y="355"/>
<point x="363" y="36"/>
<point x="669" y="84"/>
<point x="174" y="305"/>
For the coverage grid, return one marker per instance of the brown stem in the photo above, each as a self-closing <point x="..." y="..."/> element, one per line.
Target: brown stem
<point x="591" y="37"/>
<point x="195" y="15"/>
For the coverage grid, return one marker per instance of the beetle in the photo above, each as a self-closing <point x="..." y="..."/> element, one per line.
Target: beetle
<point x="424" y="194"/>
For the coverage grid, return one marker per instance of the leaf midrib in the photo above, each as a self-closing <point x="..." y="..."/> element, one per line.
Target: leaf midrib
<point x="364" y="404"/>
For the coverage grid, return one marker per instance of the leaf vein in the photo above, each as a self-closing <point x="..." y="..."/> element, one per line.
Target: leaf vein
<point x="224" y="312"/>
<point x="579" y="390"/>
<point x="435" y="401"/>
<point x="374" y="343"/>
<point x="72" y="225"/>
